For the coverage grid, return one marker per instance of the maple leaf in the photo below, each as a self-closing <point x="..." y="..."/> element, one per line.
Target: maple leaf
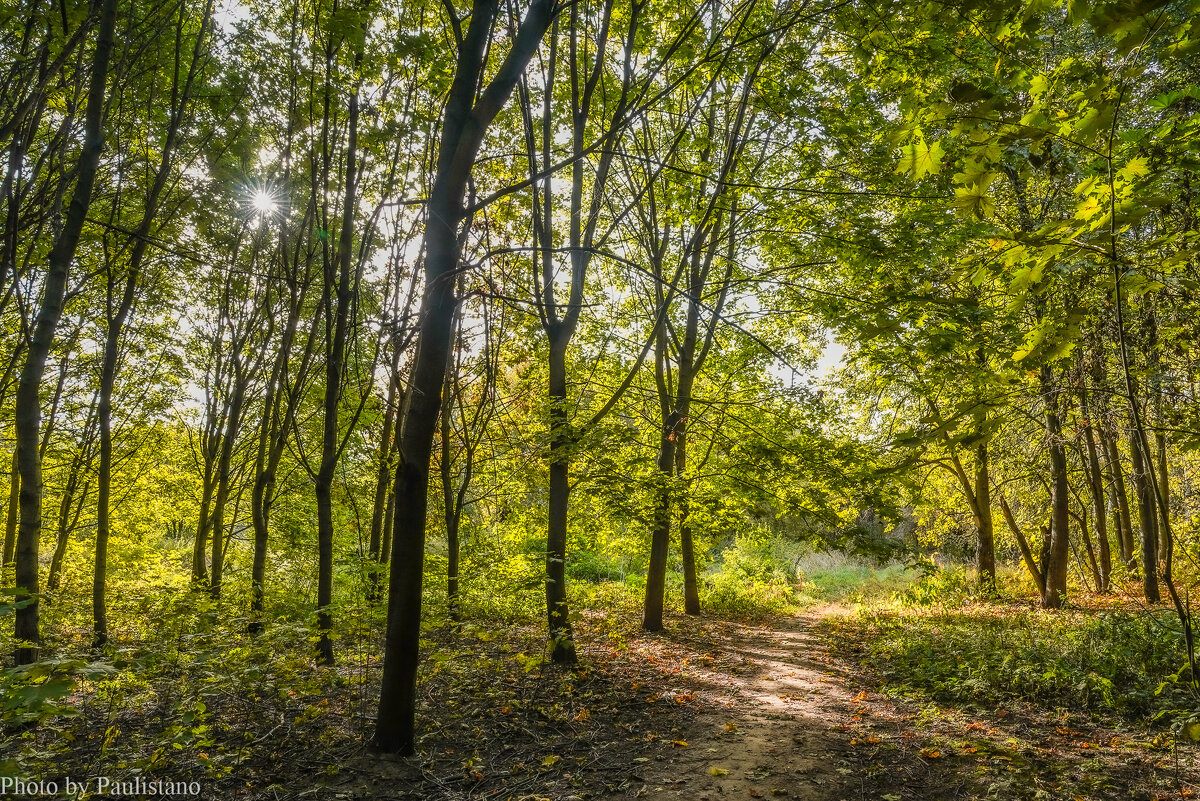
<point x="919" y="159"/>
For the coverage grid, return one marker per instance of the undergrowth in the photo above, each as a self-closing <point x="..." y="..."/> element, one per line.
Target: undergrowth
<point x="937" y="640"/>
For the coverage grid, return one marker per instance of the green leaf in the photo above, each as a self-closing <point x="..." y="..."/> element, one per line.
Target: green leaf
<point x="919" y="159"/>
<point x="1136" y="168"/>
<point x="973" y="203"/>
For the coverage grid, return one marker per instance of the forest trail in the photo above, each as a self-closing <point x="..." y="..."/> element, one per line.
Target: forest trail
<point x="784" y="711"/>
<point x="775" y="725"/>
<point x="711" y="709"/>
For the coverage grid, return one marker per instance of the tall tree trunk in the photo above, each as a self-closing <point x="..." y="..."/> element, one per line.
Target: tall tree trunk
<point x="376" y="544"/>
<point x="208" y="484"/>
<point x="450" y="510"/>
<point x="687" y="550"/>
<point x="27" y="409"/>
<point x="1146" y="515"/>
<point x="1164" y="489"/>
<point x="73" y="498"/>
<point x="180" y="95"/>
<point x="337" y="291"/>
<point x="1031" y="563"/>
<point x="464" y="122"/>
<point x="224" y="475"/>
<point x="985" y="555"/>
<point x="1096" y="484"/>
<point x="14" y="513"/>
<point x="562" y="638"/>
<point x="1055" y="568"/>
<point x="660" y="537"/>
<point x="1120" y="500"/>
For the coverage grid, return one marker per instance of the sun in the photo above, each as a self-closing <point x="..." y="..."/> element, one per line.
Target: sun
<point x="264" y="202"/>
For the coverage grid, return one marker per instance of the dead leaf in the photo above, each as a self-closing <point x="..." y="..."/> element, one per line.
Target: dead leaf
<point x="718" y="772"/>
<point x="930" y="753"/>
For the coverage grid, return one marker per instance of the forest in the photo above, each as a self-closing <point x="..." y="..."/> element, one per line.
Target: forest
<point x="570" y="399"/>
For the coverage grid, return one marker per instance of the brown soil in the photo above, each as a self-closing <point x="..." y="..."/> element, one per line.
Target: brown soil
<point x="706" y="710"/>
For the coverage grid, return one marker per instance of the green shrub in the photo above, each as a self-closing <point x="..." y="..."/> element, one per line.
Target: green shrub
<point x="1112" y="661"/>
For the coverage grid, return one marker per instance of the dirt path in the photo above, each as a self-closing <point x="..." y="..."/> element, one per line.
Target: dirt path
<point x="782" y="715"/>
<point x="774" y="725"/>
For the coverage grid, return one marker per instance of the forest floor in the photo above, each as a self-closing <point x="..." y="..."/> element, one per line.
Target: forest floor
<point x="712" y="709"/>
<point x="708" y="709"/>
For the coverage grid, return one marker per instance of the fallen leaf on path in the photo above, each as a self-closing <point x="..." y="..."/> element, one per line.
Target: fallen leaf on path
<point x="718" y="772"/>
<point x="930" y="753"/>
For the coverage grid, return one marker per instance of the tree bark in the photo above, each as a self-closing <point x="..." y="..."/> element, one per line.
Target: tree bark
<point x="1096" y="484"/>
<point x="687" y="551"/>
<point x="1031" y="563"/>
<point x="985" y="555"/>
<point x="464" y="122"/>
<point x="1055" y="569"/>
<point x="376" y="544"/>
<point x="1146" y="515"/>
<point x="27" y="409"/>
<point x="660" y="537"/>
<point x="337" y="293"/>
<point x="1120" y="500"/>
<point x="562" y="638"/>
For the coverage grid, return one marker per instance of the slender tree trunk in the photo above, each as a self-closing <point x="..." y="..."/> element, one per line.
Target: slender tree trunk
<point x="27" y="409"/>
<point x="1164" y="490"/>
<point x="208" y="486"/>
<point x="985" y="555"/>
<point x="335" y="369"/>
<point x="180" y="94"/>
<point x="464" y="123"/>
<point x="1120" y="501"/>
<point x="660" y="537"/>
<point x="260" y="511"/>
<point x="1031" y="563"/>
<point x="1096" y="484"/>
<point x="1146" y="513"/>
<point x="691" y="589"/>
<point x="1055" y="569"/>
<point x="1092" y="565"/>
<point x="389" y="515"/>
<point x="225" y="476"/>
<point x="562" y="638"/>
<point x="14" y="513"/>
<point x="379" y="508"/>
<point x="449" y="501"/>
<point x="68" y="512"/>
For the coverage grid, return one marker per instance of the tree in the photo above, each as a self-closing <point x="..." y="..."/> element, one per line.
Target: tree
<point x="27" y="408"/>
<point x="471" y="105"/>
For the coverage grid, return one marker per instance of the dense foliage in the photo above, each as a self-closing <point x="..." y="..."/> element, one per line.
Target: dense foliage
<point x="327" y="322"/>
